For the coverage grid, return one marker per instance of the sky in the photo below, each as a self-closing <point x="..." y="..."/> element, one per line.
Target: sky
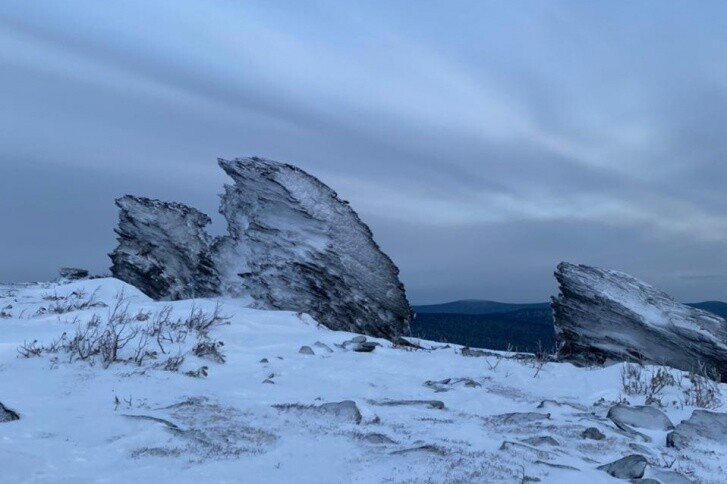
<point x="482" y="141"/>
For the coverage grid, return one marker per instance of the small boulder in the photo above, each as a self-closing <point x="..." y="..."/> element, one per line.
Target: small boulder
<point x="365" y="347"/>
<point x="642" y="416"/>
<point x="701" y="425"/>
<point x="541" y="440"/>
<point x="323" y="346"/>
<point x="306" y="350"/>
<point x="358" y="339"/>
<point x="629" y="467"/>
<point x="7" y="415"/>
<point x="592" y="433"/>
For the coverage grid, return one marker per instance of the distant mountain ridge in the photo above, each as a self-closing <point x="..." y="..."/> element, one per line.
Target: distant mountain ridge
<point x="476" y="306"/>
<point x="484" y="306"/>
<point x="495" y="325"/>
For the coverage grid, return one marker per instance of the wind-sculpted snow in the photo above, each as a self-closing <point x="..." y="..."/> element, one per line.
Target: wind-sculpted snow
<point x="265" y="413"/>
<point x="603" y="315"/>
<point x="292" y="244"/>
<point x="163" y="249"/>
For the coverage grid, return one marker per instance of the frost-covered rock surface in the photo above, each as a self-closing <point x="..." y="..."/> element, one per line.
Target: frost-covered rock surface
<point x="292" y="244"/>
<point x="213" y="391"/>
<point x="602" y="315"/>
<point x="164" y="249"/>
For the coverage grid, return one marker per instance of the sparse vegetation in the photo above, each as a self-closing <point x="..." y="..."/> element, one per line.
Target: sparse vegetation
<point x="700" y="388"/>
<point x="121" y="337"/>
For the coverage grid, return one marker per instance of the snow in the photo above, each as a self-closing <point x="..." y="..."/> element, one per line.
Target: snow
<point x="81" y="423"/>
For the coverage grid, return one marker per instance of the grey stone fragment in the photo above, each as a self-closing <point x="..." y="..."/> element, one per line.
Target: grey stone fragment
<point x="703" y="425"/>
<point x="323" y="346"/>
<point x="541" y="440"/>
<point x="358" y="339"/>
<point x="629" y="467"/>
<point x="643" y="416"/>
<point x="592" y="433"/>
<point x="7" y="415"/>
<point x="306" y="350"/>
<point x="365" y="347"/>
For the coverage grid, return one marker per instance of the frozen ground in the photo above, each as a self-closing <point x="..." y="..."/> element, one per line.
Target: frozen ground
<point x="410" y="415"/>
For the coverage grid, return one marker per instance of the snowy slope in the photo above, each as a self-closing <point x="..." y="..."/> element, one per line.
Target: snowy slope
<point x="83" y="423"/>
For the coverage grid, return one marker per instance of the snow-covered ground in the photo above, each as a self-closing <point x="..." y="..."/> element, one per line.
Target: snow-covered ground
<point x="429" y="415"/>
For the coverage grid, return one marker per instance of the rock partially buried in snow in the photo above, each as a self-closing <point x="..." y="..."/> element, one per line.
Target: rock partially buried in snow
<point x="346" y="410"/>
<point x="592" y="433"/>
<point x="7" y="415"/>
<point x="662" y="476"/>
<point x="629" y="467"/>
<point x="702" y="425"/>
<point x="306" y="350"/>
<point x="602" y="316"/>
<point x="292" y="244"/>
<point x="644" y="417"/>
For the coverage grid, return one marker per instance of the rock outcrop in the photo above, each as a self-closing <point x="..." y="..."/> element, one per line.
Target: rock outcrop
<point x="163" y="249"/>
<point x="602" y="316"/>
<point x="703" y="426"/>
<point x="292" y="244"/>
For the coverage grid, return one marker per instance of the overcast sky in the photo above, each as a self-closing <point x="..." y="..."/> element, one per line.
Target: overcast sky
<point x="482" y="141"/>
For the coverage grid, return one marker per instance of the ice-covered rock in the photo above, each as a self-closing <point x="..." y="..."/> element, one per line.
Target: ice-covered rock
<point x="602" y="316"/>
<point x="629" y="467"/>
<point x="641" y="416"/>
<point x="163" y="249"/>
<point x="292" y="244"/>
<point x="702" y="425"/>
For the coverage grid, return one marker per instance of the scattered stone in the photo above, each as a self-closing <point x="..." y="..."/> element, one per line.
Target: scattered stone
<point x="264" y="360"/>
<point x="555" y="405"/>
<point x="428" y="448"/>
<point x="592" y="433"/>
<point x="7" y="415"/>
<point x="663" y="476"/>
<point x="448" y="383"/>
<point x="701" y="425"/>
<point x="643" y="416"/>
<point x="306" y="350"/>
<point x="73" y="273"/>
<point x="345" y="410"/>
<point x="323" y="346"/>
<point x="378" y="439"/>
<point x="629" y="467"/>
<point x="365" y="347"/>
<point x="436" y="404"/>
<point x="519" y="418"/>
<point x="541" y="440"/>
<point x="358" y="339"/>
<point x="268" y="380"/>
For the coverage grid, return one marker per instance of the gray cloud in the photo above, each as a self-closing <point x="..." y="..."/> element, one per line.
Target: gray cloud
<point x="482" y="143"/>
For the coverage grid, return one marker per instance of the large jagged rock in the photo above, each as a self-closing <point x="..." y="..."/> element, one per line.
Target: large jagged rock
<point x="163" y="249"/>
<point x="602" y="316"/>
<point x="292" y="244"/>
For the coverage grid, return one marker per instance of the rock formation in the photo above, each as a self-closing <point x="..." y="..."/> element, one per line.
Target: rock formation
<point x="164" y="249"/>
<point x="602" y="316"/>
<point x="292" y="244"/>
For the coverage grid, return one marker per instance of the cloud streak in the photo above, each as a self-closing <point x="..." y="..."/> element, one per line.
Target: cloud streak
<point x="483" y="143"/>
